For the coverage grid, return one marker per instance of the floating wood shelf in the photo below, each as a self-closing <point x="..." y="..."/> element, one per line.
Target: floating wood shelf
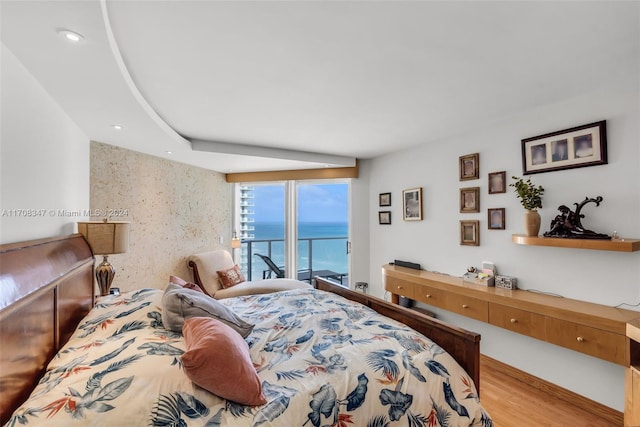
<point x="619" y="245"/>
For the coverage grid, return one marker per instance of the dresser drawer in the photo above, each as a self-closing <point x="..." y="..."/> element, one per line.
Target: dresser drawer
<point x="516" y="320"/>
<point x="467" y="306"/>
<point x="399" y="287"/>
<point x="632" y="397"/>
<point x="585" y="339"/>
<point x="431" y="296"/>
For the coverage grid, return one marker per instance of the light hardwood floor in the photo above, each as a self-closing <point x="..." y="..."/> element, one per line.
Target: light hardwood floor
<point x="513" y="403"/>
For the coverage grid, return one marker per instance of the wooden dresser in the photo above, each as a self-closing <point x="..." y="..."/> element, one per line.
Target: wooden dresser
<point x="632" y="380"/>
<point x="593" y="329"/>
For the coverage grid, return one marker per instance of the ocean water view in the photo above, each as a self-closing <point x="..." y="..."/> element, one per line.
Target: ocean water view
<point x="328" y="242"/>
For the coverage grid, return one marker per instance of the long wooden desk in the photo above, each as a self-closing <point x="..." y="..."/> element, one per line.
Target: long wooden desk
<point x="593" y="329"/>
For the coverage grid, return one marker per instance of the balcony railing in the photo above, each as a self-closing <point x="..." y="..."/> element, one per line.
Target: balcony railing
<point x="274" y="249"/>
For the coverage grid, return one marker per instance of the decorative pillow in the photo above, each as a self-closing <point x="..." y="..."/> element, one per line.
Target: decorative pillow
<point x="217" y="359"/>
<point x="188" y="285"/>
<point x="230" y="277"/>
<point x="180" y="304"/>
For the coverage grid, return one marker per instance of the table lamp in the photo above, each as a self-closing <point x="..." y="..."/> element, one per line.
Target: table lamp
<point x="106" y="238"/>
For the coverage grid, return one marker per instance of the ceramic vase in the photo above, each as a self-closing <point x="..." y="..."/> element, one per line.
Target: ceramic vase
<point x="531" y="222"/>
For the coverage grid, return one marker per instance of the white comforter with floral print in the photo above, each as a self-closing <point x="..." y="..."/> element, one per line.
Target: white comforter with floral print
<point x="323" y="360"/>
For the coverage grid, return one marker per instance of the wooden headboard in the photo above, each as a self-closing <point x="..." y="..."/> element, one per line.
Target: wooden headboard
<point x="46" y="288"/>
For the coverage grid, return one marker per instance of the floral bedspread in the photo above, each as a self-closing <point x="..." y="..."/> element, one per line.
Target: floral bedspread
<point x="323" y="361"/>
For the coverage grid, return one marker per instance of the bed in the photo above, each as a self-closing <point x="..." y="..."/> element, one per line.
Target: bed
<point x="324" y="356"/>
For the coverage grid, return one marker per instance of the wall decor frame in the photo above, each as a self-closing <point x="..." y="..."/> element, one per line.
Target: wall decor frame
<point x="384" y="217"/>
<point x="496" y="218"/>
<point x="412" y="204"/>
<point x="576" y="147"/>
<point x="384" y="199"/>
<point x="470" y="233"/>
<point x="469" y="167"/>
<point x="470" y="200"/>
<point x="498" y="182"/>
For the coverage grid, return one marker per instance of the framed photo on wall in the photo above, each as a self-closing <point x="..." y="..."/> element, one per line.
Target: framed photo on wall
<point x="384" y="217"/>
<point x="412" y="204"/>
<point x="469" y="167"/>
<point x="470" y="200"/>
<point x="495" y="218"/>
<point x="384" y="199"/>
<point x="470" y="233"/>
<point x="497" y="182"/>
<point x="577" y="147"/>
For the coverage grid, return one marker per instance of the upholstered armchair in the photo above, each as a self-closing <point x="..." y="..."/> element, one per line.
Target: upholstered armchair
<point x="206" y="265"/>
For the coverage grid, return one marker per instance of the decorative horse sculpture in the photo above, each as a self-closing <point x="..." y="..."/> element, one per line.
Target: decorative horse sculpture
<point x="568" y="223"/>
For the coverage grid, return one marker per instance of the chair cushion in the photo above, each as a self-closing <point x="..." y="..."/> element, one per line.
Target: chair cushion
<point x="260" y="287"/>
<point x="179" y="304"/>
<point x="231" y="277"/>
<point x="217" y="359"/>
<point x="207" y="266"/>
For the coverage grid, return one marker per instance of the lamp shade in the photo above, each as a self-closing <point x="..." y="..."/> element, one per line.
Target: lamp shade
<point x="106" y="238"/>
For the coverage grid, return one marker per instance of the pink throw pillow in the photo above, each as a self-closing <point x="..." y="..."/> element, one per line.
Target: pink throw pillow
<point x="217" y="359"/>
<point x="231" y="277"/>
<point x="188" y="285"/>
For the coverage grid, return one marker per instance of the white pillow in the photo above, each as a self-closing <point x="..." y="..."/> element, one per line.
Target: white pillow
<point x="179" y="304"/>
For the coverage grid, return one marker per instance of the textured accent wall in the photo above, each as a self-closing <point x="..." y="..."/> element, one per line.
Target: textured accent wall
<point x="175" y="210"/>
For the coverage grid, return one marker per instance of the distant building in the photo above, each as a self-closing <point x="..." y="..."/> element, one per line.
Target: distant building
<point x="246" y="219"/>
<point x="247" y="212"/>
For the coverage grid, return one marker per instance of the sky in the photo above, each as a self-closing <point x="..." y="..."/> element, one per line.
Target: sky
<point x="316" y="203"/>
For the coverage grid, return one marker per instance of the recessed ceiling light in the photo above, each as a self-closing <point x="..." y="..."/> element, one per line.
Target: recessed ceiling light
<point x="71" y="36"/>
<point x="117" y="127"/>
<point x="169" y="152"/>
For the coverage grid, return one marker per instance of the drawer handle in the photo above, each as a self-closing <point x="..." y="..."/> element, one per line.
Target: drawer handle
<point x="580" y="339"/>
<point x="514" y="320"/>
<point x="465" y="306"/>
<point x="428" y="295"/>
<point x="399" y="287"/>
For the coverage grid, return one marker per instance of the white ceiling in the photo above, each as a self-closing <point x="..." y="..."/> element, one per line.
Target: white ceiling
<point x="297" y="84"/>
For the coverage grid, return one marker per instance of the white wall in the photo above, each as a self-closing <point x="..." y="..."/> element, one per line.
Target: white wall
<point x="359" y="224"/>
<point x="597" y="276"/>
<point x="44" y="159"/>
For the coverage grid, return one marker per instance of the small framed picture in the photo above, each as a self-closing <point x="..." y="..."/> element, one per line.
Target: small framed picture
<point x="469" y="167"/>
<point x="577" y="147"/>
<point x="412" y="204"/>
<point x="470" y="233"/>
<point x="497" y="182"/>
<point x="495" y="218"/>
<point x="384" y="199"/>
<point x="470" y="200"/>
<point x="384" y="217"/>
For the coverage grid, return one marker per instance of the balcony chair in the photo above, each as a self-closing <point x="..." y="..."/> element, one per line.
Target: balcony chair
<point x="303" y="275"/>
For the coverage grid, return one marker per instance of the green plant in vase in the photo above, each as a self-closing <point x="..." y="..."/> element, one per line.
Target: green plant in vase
<point x="530" y="197"/>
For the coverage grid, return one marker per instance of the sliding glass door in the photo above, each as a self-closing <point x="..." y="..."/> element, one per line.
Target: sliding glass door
<point x="261" y="222"/>
<point x="294" y="229"/>
<point x="323" y="229"/>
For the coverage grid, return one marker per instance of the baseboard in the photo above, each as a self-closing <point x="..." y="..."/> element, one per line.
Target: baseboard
<point x="597" y="409"/>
